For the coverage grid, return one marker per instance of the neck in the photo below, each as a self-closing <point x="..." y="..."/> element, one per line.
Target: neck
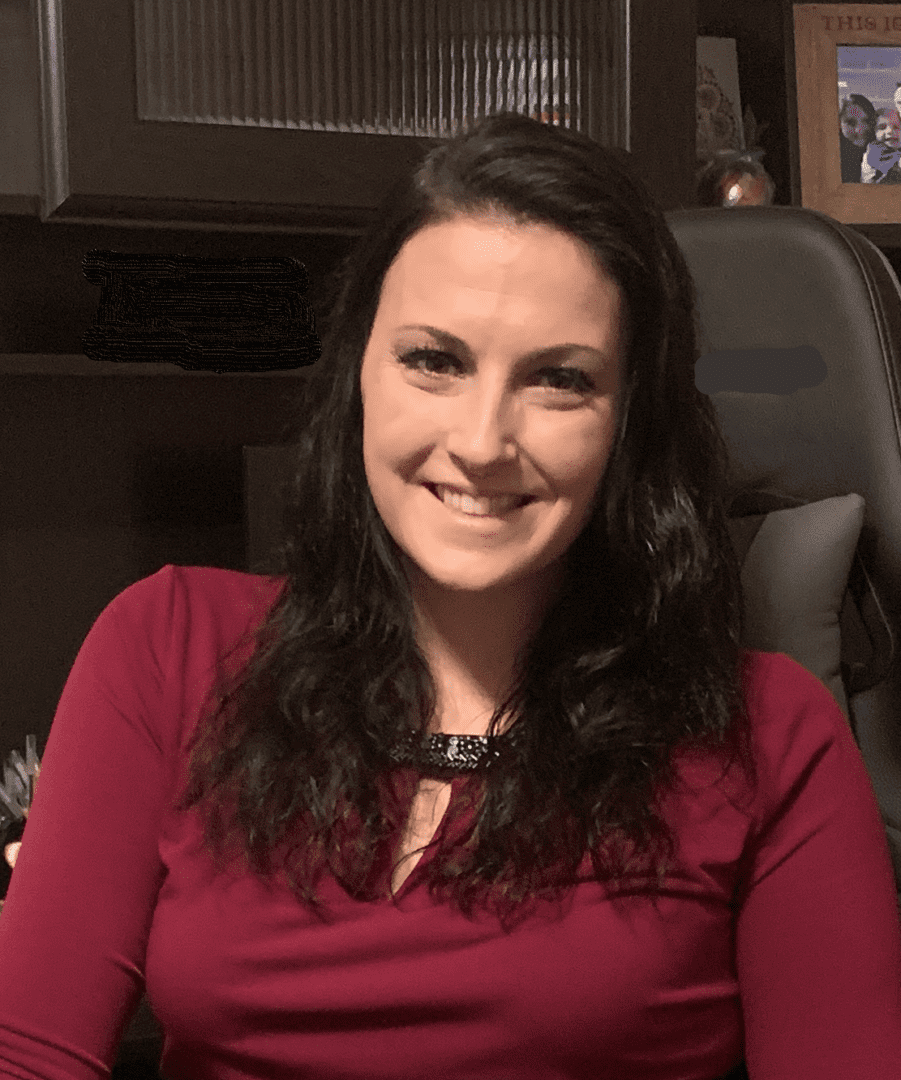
<point x="474" y="643"/>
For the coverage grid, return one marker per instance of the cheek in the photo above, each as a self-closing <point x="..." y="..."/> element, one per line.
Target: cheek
<point x="376" y="441"/>
<point x="396" y="437"/>
<point x="394" y="424"/>
<point x="581" y="460"/>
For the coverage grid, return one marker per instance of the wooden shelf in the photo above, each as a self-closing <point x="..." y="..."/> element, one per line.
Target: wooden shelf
<point x="78" y="364"/>
<point x="886" y="236"/>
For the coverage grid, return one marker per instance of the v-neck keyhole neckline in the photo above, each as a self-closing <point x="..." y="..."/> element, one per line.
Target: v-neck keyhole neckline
<point x="428" y="815"/>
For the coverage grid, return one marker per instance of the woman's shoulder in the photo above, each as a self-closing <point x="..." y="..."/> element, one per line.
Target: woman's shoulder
<point x="777" y="679"/>
<point x="192" y="602"/>
<point x="200" y="585"/>
<point x="793" y="716"/>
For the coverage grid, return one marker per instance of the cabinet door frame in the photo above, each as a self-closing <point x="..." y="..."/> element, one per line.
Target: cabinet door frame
<point x="102" y="164"/>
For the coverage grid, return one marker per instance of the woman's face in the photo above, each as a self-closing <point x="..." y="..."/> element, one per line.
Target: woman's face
<point x="491" y="374"/>
<point x="855" y="126"/>
<point x="888" y="129"/>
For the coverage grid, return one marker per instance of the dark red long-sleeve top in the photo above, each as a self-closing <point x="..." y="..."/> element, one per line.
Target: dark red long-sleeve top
<point x="776" y="938"/>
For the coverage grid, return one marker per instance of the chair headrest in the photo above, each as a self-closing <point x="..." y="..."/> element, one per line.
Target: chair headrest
<point x="790" y="280"/>
<point x="783" y="280"/>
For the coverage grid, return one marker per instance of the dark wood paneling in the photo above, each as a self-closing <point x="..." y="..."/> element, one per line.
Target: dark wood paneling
<point x="662" y="118"/>
<point x="103" y="481"/>
<point x="46" y="304"/>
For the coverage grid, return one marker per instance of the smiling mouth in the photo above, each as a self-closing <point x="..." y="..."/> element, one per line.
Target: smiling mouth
<point x="495" y="506"/>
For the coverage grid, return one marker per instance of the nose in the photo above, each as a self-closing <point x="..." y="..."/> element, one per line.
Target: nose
<point x="482" y="428"/>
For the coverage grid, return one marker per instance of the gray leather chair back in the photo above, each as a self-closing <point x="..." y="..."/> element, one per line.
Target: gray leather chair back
<point x="800" y="323"/>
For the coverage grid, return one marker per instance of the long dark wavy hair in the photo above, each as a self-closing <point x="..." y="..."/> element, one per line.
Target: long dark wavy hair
<point x="637" y="657"/>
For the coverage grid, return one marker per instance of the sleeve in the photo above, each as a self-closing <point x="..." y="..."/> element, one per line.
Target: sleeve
<point x="74" y="927"/>
<point x="818" y="940"/>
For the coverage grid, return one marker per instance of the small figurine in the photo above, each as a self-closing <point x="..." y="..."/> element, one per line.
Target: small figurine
<point x="731" y="177"/>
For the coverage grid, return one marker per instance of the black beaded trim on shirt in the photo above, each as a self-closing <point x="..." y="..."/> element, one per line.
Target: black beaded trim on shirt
<point x="458" y="753"/>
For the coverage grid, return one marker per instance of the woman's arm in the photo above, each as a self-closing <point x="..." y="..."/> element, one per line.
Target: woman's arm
<point x="74" y="926"/>
<point x="818" y="937"/>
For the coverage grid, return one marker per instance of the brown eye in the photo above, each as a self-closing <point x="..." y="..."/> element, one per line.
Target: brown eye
<point x="426" y="360"/>
<point x="567" y="378"/>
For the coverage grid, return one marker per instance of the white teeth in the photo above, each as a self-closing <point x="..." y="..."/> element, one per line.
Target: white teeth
<point x="496" y="507"/>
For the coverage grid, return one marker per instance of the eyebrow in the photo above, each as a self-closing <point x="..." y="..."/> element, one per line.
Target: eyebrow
<point x="451" y="341"/>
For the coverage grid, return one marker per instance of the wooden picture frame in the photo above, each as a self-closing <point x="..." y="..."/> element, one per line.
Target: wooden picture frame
<point x="827" y="38"/>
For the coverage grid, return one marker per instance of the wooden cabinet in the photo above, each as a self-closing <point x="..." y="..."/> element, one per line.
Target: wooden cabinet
<point x="188" y="110"/>
<point x="20" y="155"/>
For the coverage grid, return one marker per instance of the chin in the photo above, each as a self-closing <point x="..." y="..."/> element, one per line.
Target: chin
<point x="487" y="580"/>
<point x="472" y="581"/>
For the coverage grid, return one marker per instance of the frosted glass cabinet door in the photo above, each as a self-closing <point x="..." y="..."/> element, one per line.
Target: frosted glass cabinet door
<point x="299" y="114"/>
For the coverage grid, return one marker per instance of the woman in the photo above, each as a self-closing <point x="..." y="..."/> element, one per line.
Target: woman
<point x="507" y="630"/>
<point x="857" y="126"/>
